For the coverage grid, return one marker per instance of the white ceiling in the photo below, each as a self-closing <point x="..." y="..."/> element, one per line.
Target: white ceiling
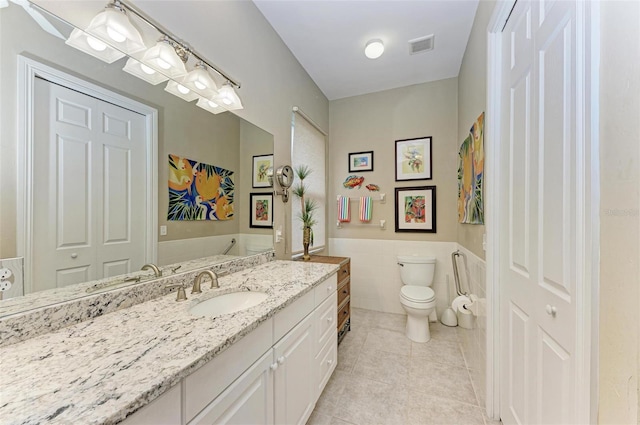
<point x="328" y="38"/>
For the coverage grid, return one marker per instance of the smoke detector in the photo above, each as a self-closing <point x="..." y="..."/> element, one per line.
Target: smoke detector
<point x="422" y="44"/>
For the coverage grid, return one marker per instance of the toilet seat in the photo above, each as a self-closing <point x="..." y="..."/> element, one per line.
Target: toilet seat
<point x="417" y="294"/>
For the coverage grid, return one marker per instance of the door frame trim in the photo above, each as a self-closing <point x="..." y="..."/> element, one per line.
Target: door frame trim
<point x="28" y="70"/>
<point x="586" y="384"/>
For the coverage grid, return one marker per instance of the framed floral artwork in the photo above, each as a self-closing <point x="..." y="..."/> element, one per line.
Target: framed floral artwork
<point x="416" y="209"/>
<point x="413" y="159"/>
<point x="261" y="210"/>
<point x="360" y="161"/>
<point x="261" y="165"/>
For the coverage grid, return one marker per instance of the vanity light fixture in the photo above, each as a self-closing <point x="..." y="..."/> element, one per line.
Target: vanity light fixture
<point x="200" y="81"/>
<point x="167" y="58"/>
<point x="374" y="49"/>
<point x="111" y="34"/>
<point x="92" y="46"/>
<point x="112" y="26"/>
<point x="181" y="91"/>
<point x="227" y="97"/>
<point x="144" y="72"/>
<point x="210" y="105"/>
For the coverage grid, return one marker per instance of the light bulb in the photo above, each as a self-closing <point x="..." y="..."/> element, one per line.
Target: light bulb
<point x="96" y="44"/>
<point x="199" y="85"/>
<point x="147" y="70"/>
<point x="227" y="101"/>
<point x="182" y="89"/>
<point x="163" y="64"/>
<point x="115" y="35"/>
<point x="213" y="104"/>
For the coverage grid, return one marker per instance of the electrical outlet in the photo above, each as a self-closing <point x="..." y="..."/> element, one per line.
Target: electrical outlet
<point x="5" y="273"/>
<point x="163" y="230"/>
<point x="5" y="285"/>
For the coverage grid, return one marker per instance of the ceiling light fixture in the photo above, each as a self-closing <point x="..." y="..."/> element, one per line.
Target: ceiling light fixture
<point x="113" y="27"/>
<point x="374" y="49"/>
<point x="227" y="97"/>
<point x="210" y="105"/>
<point x="181" y="91"/>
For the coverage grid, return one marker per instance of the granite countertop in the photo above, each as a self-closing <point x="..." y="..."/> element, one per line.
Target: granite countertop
<point x="101" y="370"/>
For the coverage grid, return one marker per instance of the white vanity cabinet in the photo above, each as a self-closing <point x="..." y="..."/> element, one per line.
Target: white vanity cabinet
<point x="275" y="374"/>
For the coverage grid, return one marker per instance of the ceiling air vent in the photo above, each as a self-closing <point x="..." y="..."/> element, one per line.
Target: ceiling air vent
<point x="422" y="44"/>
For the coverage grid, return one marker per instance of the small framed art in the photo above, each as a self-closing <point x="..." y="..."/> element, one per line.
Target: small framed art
<point x="413" y="159"/>
<point x="360" y="161"/>
<point x="261" y="165"/>
<point x="261" y="210"/>
<point x="416" y="209"/>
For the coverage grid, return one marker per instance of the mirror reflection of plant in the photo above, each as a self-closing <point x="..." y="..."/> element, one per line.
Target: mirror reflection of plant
<point x="307" y="206"/>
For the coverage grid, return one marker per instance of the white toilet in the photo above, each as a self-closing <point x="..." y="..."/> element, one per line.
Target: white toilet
<point x="416" y="296"/>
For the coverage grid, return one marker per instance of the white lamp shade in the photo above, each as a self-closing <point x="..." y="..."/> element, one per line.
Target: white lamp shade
<point x="200" y="81"/>
<point x="227" y="98"/>
<point x="163" y="58"/>
<point x="92" y="46"/>
<point x="181" y="91"/>
<point x="144" y="72"/>
<point x="210" y="105"/>
<point x="113" y="27"/>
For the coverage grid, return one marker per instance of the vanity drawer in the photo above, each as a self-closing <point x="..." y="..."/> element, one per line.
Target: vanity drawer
<point x="344" y="272"/>
<point x="344" y="291"/>
<point x="343" y="314"/>
<point x="324" y="321"/>
<point x="325" y="363"/>
<point x="325" y="289"/>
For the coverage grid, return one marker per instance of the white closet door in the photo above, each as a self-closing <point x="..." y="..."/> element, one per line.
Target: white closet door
<point x="89" y="193"/>
<point x="543" y="192"/>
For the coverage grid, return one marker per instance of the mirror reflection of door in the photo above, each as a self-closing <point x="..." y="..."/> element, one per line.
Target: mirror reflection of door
<point x="89" y="189"/>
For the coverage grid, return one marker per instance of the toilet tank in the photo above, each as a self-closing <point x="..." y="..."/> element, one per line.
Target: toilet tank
<point x="417" y="270"/>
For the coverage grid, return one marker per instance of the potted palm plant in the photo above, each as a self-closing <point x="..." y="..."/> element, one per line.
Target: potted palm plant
<point x="307" y="209"/>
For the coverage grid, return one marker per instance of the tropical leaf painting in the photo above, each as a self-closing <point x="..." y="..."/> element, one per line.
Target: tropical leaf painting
<point x="470" y="175"/>
<point x="199" y="191"/>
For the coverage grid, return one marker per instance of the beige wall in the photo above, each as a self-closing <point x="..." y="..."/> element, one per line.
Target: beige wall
<point x="373" y="122"/>
<point x="472" y="99"/>
<point x="619" y="217"/>
<point x="253" y="141"/>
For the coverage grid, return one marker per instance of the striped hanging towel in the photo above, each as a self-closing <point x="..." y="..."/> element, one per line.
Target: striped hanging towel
<point x="344" y="209"/>
<point x="366" y="209"/>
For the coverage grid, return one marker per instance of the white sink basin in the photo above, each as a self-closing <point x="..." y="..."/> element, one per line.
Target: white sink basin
<point x="228" y="303"/>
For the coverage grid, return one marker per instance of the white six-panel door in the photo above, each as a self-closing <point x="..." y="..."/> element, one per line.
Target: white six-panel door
<point x="542" y="192"/>
<point x="89" y="218"/>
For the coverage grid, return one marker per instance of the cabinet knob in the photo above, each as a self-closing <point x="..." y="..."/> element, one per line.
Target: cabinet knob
<point x="281" y="360"/>
<point x="551" y="310"/>
<point x="74" y="255"/>
<point x="330" y="361"/>
<point x="329" y="288"/>
<point x="329" y="319"/>
<point x="344" y="291"/>
<point x="344" y="271"/>
<point x="274" y="366"/>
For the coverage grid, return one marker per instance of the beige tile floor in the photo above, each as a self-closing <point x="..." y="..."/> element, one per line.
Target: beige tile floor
<point x="384" y="378"/>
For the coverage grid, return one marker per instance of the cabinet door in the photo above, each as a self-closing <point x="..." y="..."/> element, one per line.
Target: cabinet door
<point x="294" y="377"/>
<point x="165" y="410"/>
<point x="249" y="400"/>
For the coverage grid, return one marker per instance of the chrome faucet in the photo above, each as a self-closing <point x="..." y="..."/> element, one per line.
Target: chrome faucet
<point x="198" y="280"/>
<point x="153" y="267"/>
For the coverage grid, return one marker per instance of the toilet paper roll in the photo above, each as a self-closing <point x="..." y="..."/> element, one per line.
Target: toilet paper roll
<point x="465" y="318"/>
<point x="459" y="302"/>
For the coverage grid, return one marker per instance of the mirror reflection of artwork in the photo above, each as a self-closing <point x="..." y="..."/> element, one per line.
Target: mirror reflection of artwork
<point x="261" y="210"/>
<point x="199" y="191"/>
<point x="470" y="175"/>
<point x="261" y="166"/>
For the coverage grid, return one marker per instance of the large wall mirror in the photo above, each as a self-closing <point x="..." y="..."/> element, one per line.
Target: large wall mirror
<point x="70" y="94"/>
